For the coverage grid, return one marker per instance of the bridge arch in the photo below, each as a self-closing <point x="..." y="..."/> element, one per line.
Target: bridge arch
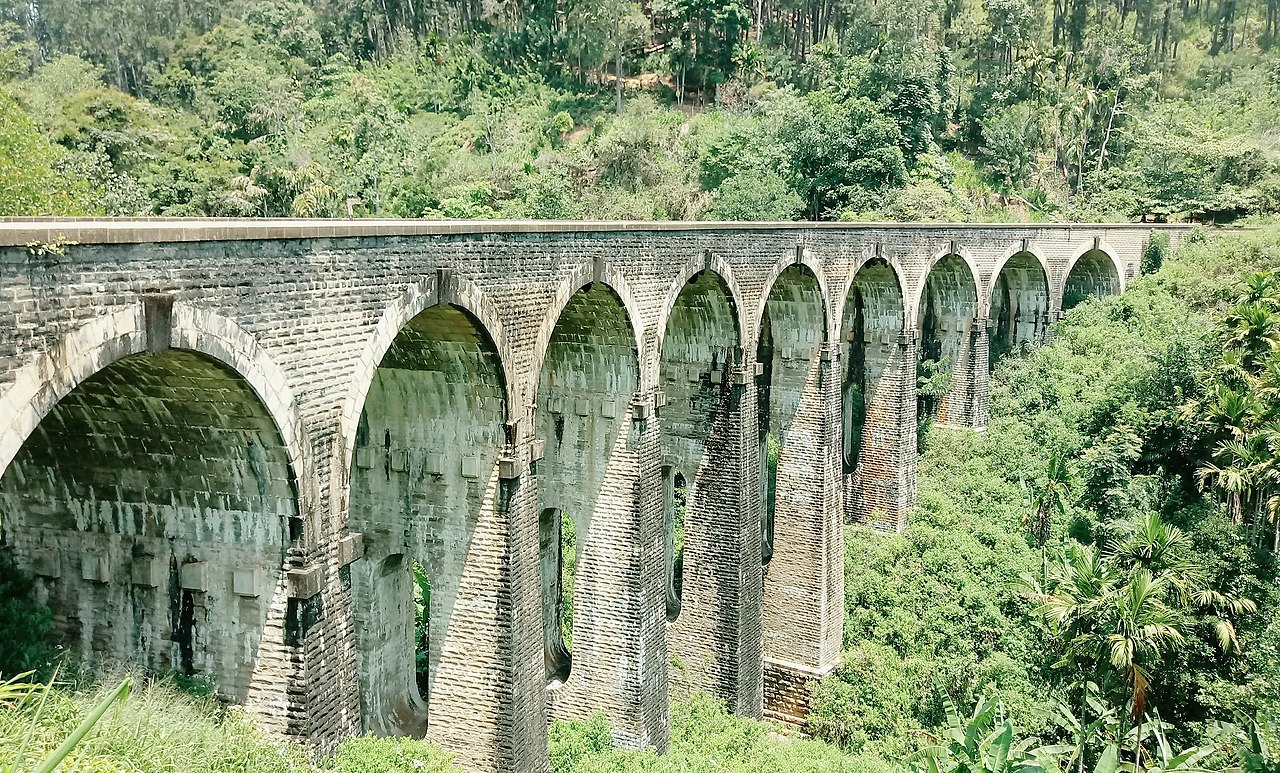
<point x="946" y="309"/>
<point x="424" y="488"/>
<point x="792" y="332"/>
<point x="583" y="277"/>
<point x="430" y="291"/>
<point x="163" y="454"/>
<point x="873" y="318"/>
<point x="1017" y="303"/>
<point x="698" y="264"/>
<point x="700" y="355"/>
<point x="1093" y="271"/>
<point x="588" y="425"/>
<point x="813" y="266"/>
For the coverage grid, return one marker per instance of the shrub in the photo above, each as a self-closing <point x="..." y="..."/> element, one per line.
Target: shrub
<point x="368" y="754"/>
<point x="27" y="642"/>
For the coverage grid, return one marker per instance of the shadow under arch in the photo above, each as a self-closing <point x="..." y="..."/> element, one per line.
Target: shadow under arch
<point x="585" y="277"/>
<point x="876" y="368"/>
<point x="1093" y="272"/>
<point x="156" y="498"/>
<point x="1018" y="305"/>
<point x="427" y="498"/>
<point x="593" y="597"/>
<point x="703" y="264"/>
<point x="443" y="288"/>
<point x="699" y="354"/>
<point x="946" y="310"/>
<point x="792" y="332"/>
<point x="803" y="262"/>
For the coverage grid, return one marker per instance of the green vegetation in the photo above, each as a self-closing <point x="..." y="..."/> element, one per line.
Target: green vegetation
<point x="1066" y="567"/>
<point x="675" y="109"/>
<point x="77" y="723"/>
<point x="703" y="737"/>
<point x="391" y="755"/>
<point x="421" y="629"/>
<point x="156" y="728"/>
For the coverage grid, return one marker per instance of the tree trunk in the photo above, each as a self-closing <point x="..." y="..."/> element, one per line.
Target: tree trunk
<point x="1106" y="136"/>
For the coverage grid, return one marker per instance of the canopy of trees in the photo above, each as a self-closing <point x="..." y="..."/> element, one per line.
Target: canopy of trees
<point x="726" y="109"/>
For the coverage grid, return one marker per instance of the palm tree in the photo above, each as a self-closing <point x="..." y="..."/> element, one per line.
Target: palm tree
<point x="1050" y="499"/>
<point x="1254" y="328"/>
<point x="1120" y="610"/>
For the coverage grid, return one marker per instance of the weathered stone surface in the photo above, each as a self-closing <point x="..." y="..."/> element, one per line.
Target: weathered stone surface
<point x="224" y="445"/>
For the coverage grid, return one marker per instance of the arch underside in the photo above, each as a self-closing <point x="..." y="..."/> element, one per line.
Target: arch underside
<point x="425" y="490"/>
<point x="700" y="352"/>
<point x="155" y="504"/>
<point x="790" y="413"/>
<point x="589" y="474"/>
<point x="875" y="368"/>
<point x="948" y="310"/>
<point x="1094" y="275"/>
<point x="1019" y="307"/>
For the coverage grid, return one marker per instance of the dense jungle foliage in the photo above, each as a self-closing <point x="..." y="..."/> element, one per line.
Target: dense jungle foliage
<point x="725" y="109"/>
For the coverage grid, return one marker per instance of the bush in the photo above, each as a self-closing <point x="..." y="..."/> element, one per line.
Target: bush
<point x="704" y="736"/>
<point x="391" y="755"/>
<point x="1153" y="254"/>
<point x="27" y="643"/>
<point x="158" y="728"/>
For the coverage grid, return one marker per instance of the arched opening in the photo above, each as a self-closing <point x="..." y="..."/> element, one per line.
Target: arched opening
<point x="792" y="332"/>
<point x="700" y="350"/>
<point x="871" y="326"/>
<point x="1019" y="306"/>
<point x="803" y="599"/>
<point x="947" y="311"/>
<point x="675" y="495"/>
<point x="155" y="504"/>
<point x="1094" y="275"/>
<point x="424" y="484"/>
<point x="588" y="475"/>
<point x="558" y="549"/>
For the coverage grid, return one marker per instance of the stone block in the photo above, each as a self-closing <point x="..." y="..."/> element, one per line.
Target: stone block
<point x="508" y="468"/>
<point x="306" y="582"/>
<point x="433" y="464"/>
<point x="400" y="460"/>
<point x="245" y="582"/>
<point x="609" y="409"/>
<point x="582" y="406"/>
<point x="537" y="449"/>
<point x="470" y="466"/>
<point x="364" y="458"/>
<point x="95" y="568"/>
<point x="194" y="576"/>
<point x="46" y="562"/>
<point x="147" y="572"/>
<point x="350" y="548"/>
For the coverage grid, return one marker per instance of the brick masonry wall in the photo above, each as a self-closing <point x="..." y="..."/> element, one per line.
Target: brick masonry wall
<point x="303" y="313"/>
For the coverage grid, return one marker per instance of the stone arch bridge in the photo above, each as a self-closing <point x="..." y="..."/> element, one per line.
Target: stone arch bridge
<point x="599" y="459"/>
